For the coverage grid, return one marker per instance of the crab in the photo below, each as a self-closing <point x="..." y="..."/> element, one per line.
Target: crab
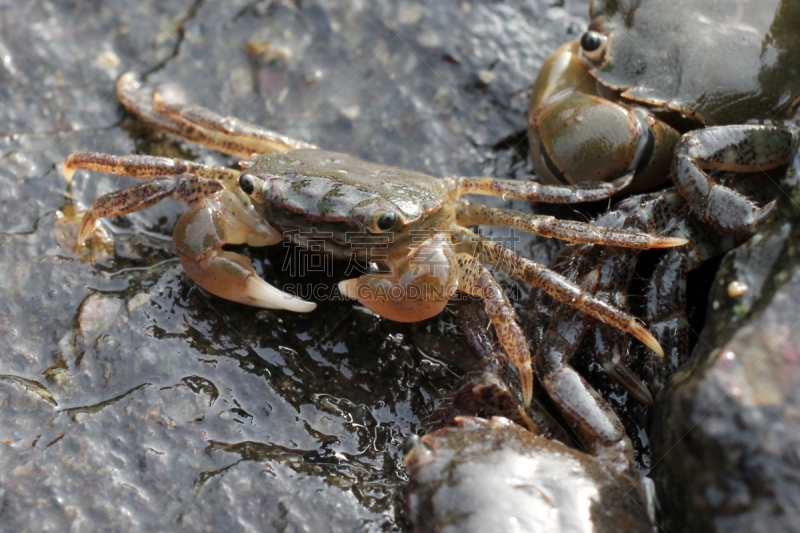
<point x="656" y="89"/>
<point x="513" y="450"/>
<point x="492" y="475"/>
<point x="608" y="274"/>
<point x="411" y="224"/>
<point x="634" y="98"/>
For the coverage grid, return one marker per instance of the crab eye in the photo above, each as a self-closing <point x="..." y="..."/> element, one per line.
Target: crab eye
<point x="594" y="45"/>
<point x="248" y="183"/>
<point x="384" y="221"/>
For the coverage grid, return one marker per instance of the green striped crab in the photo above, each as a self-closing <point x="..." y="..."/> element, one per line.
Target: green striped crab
<point x="413" y="226"/>
<point x="692" y="86"/>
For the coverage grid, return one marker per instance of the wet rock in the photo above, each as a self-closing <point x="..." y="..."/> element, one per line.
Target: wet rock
<point x="97" y="313"/>
<point x="726" y="435"/>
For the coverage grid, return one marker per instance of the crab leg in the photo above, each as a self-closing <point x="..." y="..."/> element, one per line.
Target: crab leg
<point x="665" y="300"/>
<point x="612" y="344"/>
<point x="201" y="126"/>
<point x="475" y="279"/>
<point x="745" y="148"/>
<point x="646" y="213"/>
<point x="219" y="216"/>
<point x="616" y="268"/>
<point x="536" y="192"/>
<point x="592" y="419"/>
<point x="561" y="289"/>
<point x="181" y="180"/>
<point x="665" y="308"/>
<point x="567" y="230"/>
<point x="145" y="167"/>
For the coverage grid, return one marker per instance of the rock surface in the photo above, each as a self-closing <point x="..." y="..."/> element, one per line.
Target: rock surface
<point x="727" y="428"/>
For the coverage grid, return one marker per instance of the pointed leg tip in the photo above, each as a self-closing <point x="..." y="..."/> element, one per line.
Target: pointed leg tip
<point x="68" y="168"/>
<point x="624" y="181"/>
<point x="641" y="333"/>
<point x="630" y="381"/>
<point x="667" y="242"/>
<point x="88" y="225"/>
<point x="527" y="397"/>
<point x="765" y="212"/>
<point x="68" y="172"/>
<point x="526" y="382"/>
<point x="646" y="398"/>
<point x="653" y="344"/>
<point x="80" y="243"/>
<point x="641" y="394"/>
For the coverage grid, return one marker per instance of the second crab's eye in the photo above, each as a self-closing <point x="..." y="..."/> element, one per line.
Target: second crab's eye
<point x="384" y="221"/>
<point x="248" y="183"/>
<point x="594" y="45"/>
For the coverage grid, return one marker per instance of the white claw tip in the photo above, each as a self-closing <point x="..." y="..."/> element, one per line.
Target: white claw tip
<point x="348" y="288"/>
<point x="262" y="294"/>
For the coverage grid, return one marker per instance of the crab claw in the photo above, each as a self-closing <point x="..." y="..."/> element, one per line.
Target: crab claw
<point x="418" y="288"/>
<point x="259" y="293"/>
<point x="199" y="236"/>
<point x="231" y="276"/>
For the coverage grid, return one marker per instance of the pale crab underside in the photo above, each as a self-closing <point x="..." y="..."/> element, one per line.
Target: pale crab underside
<point x="252" y="207"/>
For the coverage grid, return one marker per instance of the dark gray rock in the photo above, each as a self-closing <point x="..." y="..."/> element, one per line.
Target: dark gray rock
<point x="726" y="432"/>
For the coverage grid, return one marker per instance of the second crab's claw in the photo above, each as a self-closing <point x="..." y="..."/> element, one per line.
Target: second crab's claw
<point x="199" y="236"/>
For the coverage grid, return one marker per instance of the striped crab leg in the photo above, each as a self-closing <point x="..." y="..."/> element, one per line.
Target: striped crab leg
<point x="567" y="230"/>
<point x="536" y="192"/>
<point x="475" y="279"/>
<point x="558" y="287"/>
<point x="200" y="125"/>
